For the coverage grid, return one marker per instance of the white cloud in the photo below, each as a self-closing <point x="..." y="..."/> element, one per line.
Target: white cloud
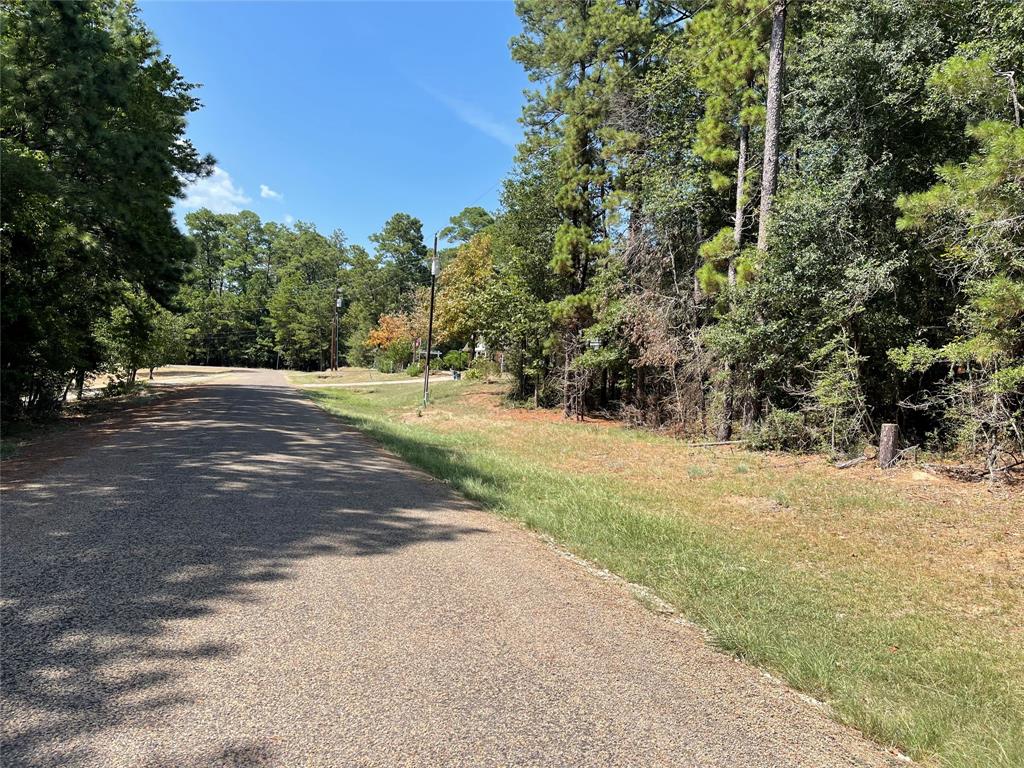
<point x="266" y="191"/>
<point x="289" y="219"/>
<point x="216" y="192"/>
<point x="473" y="116"/>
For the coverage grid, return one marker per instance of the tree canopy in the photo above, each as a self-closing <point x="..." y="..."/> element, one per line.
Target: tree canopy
<point x="92" y="136"/>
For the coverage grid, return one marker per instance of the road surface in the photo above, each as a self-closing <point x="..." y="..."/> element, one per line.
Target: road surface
<point x="234" y="579"/>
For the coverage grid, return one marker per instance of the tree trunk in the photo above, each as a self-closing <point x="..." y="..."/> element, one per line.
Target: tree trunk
<point x="697" y="262"/>
<point x="1011" y="82"/>
<point x="572" y="405"/>
<point x="567" y="384"/>
<point x="725" y="425"/>
<point x="737" y="229"/>
<point x="773" y="121"/>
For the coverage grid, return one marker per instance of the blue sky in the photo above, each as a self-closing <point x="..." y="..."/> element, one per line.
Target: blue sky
<point x="343" y="113"/>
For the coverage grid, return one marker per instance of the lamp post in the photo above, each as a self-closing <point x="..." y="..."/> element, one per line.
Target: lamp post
<point x="435" y="267"/>
<point x="335" y="331"/>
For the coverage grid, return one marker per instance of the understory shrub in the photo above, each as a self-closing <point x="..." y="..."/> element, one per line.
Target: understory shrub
<point x="395" y="356"/>
<point x="482" y="368"/>
<point x="782" y="430"/>
<point x="455" y="360"/>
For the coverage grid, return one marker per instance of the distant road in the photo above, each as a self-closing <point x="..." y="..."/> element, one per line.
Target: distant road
<point x="233" y="578"/>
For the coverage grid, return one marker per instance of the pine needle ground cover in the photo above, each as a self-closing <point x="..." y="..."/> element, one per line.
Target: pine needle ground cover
<point x="897" y="598"/>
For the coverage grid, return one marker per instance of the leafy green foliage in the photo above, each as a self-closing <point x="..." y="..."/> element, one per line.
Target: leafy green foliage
<point x="395" y="356"/>
<point x="302" y="306"/>
<point x="463" y="282"/>
<point x="455" y="360"/>
<point x="93" y="152"/>
<point x="125" y="334"/>
<point x="402" y="255"/>
<point x="975" y="215"/>
<point x="618" y="272"/>
<point x="263" y="294"/>
<point x="467" y="224"/>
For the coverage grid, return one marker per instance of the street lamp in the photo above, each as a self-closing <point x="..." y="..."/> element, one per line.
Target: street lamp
<point x="335" y="331"/>
<point x="435" y="268"/>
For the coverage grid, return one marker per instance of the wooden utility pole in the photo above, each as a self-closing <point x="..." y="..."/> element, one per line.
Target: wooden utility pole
<point x="773" y="121"/>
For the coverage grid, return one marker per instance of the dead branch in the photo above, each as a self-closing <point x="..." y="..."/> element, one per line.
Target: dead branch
<point x="851" y="462"/>
<point x="715" y="443"/>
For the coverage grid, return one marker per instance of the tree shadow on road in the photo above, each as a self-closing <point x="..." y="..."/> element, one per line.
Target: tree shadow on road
<point x="200" y="500"/>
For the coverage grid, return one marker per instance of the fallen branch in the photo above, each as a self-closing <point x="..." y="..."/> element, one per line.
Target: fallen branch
<point x="711" y="445"/>
<point x="969" y="474"/>
<point x="957" y="472"/>
<point x="851" y="462"/>
<point x="900" y="454"/>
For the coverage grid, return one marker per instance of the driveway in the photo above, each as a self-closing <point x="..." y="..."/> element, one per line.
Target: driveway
<point x="233" y="578"/>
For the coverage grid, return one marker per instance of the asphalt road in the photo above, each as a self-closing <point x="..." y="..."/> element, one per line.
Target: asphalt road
<point x="232" y="578"/>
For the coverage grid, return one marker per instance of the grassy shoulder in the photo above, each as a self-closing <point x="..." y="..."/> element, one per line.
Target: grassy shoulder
<point x="897" y="599"/>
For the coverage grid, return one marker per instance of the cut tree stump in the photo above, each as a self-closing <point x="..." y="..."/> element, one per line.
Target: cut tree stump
<point x="887" y="445"/>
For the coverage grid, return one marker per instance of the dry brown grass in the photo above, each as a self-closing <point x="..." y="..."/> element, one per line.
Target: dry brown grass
<point x="895" y="596"/>
<point x="962" y="544"/>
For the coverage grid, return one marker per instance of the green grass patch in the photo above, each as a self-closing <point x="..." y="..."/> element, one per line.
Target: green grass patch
<point x="880" y="649"/>
<point x="343" y="376"/>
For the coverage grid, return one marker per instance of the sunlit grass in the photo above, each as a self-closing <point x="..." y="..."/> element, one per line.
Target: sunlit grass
<point x="343" y="376"/>
<point x="898" y="604"/>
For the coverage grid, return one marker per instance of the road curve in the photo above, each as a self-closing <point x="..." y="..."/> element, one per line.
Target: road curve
<point x="235" y="579"/>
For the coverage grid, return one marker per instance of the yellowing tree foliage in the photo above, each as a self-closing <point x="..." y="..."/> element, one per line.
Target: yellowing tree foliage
<point x="462" y="287"/>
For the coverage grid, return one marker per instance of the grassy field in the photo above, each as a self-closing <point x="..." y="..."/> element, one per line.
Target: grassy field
<point x="897" y="598"/>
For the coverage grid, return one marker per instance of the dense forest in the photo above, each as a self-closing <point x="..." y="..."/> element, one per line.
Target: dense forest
<point x="789" y="221"/>
<point x="263" y="294"/>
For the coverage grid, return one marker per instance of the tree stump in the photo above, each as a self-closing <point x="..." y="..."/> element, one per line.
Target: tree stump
<point x="887" y="445"/>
